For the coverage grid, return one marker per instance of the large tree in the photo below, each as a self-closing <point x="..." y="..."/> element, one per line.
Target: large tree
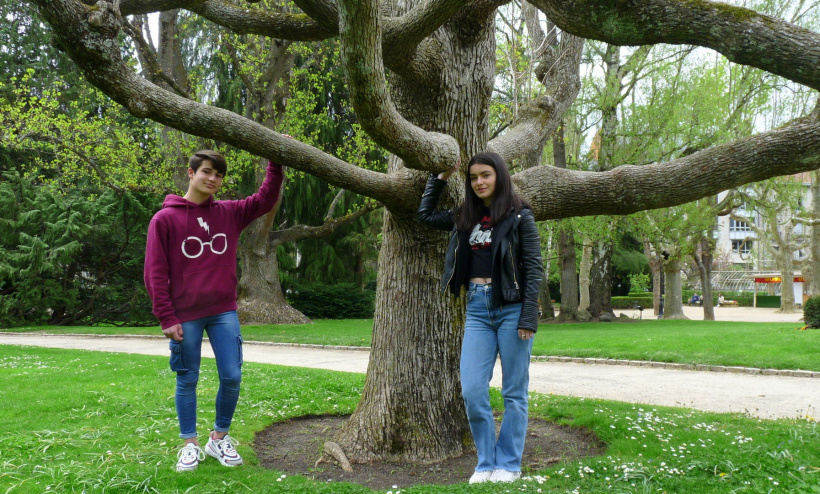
<point x="441" y="59"/>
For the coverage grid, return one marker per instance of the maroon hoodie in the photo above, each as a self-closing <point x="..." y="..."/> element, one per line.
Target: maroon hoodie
<point x="190" y="256"/>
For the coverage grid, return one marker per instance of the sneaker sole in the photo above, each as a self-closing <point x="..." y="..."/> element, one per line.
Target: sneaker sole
<point x="220" y="460"/>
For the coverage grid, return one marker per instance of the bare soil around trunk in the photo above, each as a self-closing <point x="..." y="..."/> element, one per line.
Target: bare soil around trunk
<point x="295" y="445"/>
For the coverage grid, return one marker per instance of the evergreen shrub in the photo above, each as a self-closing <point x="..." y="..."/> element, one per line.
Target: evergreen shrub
<point x="629" y="302"/>
<point x="342" y="301"/>
<point x="811" y="312"/>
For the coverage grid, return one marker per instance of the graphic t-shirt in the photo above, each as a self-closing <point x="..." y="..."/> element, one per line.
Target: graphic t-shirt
<point x="481" y="248"/>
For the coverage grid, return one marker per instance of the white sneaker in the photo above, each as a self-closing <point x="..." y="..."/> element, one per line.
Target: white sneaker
<point x="189" y="457"/>
<point x="504" y="476"/>
<point x="224" y="450"/>
<point x="481" y="477"/>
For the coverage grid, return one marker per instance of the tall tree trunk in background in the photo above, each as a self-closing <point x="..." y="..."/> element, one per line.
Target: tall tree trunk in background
<point x="673" y="296"/>
<point x="812" y="271"/>
<point x="600" y="286"/>
<point x="655" y="268"/>
<point x="584" y="276"/>
<point x="785" y="264"/>
<point x="569" y="275"/>
<point x="704" y="263"/>
<point x="547" y="308"/>
<point x="600" y="279"/>
<point x="261" y="299"/>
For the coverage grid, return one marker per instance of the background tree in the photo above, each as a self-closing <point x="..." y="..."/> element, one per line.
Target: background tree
<point x="441" y="55"/>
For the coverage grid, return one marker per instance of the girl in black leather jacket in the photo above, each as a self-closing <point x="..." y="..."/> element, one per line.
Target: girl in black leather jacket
<point x="495" y="253"/>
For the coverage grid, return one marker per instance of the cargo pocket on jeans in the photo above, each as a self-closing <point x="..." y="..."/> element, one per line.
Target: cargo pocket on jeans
<point x="177" y="361"/>
<point x="239" y="349"/>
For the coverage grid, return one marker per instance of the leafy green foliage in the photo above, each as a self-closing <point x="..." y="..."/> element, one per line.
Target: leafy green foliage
<point x="341" y="301"/>
<point x="639" y="282"/>
<point x="631" y="301"/>
<point x="811" y="312"/>
<point x="67" y="258"/>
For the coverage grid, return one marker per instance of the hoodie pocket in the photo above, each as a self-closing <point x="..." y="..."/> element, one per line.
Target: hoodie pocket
<point x="206" y="287"/>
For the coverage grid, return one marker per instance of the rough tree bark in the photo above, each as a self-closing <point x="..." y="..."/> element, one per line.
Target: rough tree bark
<point x="569" y="277"/>
<point x="704" y="259"/>
<point x="673" y="297"/>
<point x="441" y="54"/>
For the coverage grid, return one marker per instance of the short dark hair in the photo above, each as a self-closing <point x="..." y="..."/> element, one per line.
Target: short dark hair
<point x="216" y="159"/>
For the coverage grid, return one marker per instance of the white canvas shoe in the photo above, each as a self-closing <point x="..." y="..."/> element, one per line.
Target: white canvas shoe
<point x="481" y="477"/>
<point x="504" y="476"/>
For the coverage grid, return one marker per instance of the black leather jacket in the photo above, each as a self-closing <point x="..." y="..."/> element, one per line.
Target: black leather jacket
<point x="517" y="267"/>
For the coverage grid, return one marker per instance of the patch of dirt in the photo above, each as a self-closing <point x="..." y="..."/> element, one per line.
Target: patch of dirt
<point x="295" y="445"/>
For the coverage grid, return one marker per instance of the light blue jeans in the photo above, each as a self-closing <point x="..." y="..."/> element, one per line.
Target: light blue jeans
<point x="488" y="333"/>
<point x="226" y="342"/>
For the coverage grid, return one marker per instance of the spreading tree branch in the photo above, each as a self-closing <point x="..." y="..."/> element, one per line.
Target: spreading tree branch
<point x="360" y="34"/>
<point x="741" y="35"/>
<point x="301" y="232"/>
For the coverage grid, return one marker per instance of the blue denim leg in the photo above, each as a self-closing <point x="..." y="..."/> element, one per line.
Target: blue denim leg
<point x="515" y="378"/>
<point x="226" y="342"/>
<point x="490" y="332"/>
<point x="185" y="359"/>
<point x="478" y="353"/>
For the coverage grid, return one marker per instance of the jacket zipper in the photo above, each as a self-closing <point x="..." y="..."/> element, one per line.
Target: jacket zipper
<point x="512" y="262"/>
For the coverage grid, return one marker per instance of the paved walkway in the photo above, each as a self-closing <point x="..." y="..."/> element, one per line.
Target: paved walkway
<point x="758" y="395"/>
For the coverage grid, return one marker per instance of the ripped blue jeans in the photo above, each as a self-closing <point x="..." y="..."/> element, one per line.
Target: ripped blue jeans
<point x="226" y="342"/>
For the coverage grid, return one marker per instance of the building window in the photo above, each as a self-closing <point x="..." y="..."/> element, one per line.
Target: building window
<point x="739" y="226"/>
<point x="742" y="247"/>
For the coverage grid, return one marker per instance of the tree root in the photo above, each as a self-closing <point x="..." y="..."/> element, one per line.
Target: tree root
<point x="335" y="451"/>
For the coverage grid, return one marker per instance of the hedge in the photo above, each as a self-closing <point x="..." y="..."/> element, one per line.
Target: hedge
<point x="342" y="301"/>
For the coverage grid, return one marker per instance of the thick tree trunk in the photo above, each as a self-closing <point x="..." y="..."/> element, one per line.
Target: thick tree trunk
<point x="704" y="262"/>
<point x="584" y="276"/>
<point x="600" y="286"/>
<point x="785" y="262"/>
<point x="411" y="408"/>
<point x="812" y="271"/>
<point x="261" y="300"/>
<point x="547" y="309"/>
<point x="673" y="297"/>
<point x="569" y="276"/>
<point x="655" y="269"/>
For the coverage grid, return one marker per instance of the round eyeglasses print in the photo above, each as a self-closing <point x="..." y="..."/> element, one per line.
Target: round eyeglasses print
<point x="210" y="244"/>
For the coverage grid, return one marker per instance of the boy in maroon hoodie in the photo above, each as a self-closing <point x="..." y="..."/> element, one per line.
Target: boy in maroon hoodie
<point x="190" y="274"/>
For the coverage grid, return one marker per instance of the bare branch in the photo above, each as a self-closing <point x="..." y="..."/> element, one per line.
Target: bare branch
<point x="539" y="118"/>
<point x="741" y="35"/>
<point x="296" y="27"/>
<point x="301" y="232"/>
<point x="333" y="204"/>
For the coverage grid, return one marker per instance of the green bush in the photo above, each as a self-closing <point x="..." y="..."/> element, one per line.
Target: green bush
<point x="811" y="312"/>
<point x="644" y="301"/>
<point x="342" y="301"/>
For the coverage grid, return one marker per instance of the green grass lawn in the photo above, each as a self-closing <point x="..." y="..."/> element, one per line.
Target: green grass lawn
<point x="79" y="421"/>
<point x="765" y="345"/>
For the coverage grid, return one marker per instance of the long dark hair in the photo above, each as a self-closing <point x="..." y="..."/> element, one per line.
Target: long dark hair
<point x="504" y="198"/>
